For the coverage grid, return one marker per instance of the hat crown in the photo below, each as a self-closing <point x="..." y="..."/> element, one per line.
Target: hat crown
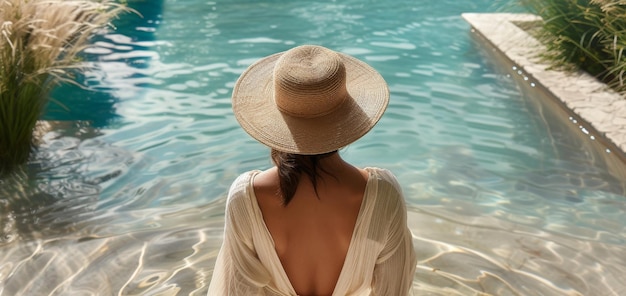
<point x="309" y="81"/>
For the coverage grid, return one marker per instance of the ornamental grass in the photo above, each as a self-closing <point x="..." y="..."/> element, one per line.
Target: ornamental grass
<point x="588" y="34"/>
<point x="40" y="41"/>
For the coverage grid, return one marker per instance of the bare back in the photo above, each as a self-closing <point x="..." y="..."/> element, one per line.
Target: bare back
<point x="312" y="235"/>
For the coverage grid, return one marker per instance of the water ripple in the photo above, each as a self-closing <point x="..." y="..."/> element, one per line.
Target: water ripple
<point x="126" y="195"/>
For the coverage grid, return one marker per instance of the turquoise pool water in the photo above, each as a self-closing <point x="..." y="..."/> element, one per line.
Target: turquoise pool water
<point x="506" y="195"/>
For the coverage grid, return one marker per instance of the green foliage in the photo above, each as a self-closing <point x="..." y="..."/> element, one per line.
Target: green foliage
<point x="39" y="44"/>
<point x="590" y="34"/>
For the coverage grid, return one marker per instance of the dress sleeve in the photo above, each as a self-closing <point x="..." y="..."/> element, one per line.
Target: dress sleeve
<point x="238" y="270"/>
<point x="395" y="266"/>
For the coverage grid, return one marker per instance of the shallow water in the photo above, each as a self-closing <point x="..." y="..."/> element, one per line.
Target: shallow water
<point x="506" y="195"/>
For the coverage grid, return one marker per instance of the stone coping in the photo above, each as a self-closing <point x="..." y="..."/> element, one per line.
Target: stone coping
<point x="602" y="108"/>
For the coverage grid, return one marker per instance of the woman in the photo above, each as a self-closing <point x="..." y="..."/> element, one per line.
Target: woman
<point x="313" y="224"/>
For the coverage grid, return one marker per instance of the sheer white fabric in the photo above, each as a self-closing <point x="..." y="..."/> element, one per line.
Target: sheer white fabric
<point x="380" y="258"/>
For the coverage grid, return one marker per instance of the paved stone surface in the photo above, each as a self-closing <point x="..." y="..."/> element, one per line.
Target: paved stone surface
<point x="603" y="109"/>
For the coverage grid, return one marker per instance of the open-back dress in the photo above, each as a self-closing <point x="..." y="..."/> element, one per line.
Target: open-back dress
<point x="380" y="258"/>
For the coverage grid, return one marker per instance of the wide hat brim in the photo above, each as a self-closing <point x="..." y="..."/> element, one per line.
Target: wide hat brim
<point x="257" y="113"/>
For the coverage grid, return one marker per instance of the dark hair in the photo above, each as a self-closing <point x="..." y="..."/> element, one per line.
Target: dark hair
<point x="292" y="166"/>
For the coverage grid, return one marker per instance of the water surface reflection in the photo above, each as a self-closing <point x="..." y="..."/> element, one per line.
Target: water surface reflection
<point x="505" y="197"/>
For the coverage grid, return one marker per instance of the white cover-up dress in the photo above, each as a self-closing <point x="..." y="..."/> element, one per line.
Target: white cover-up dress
<point x="380" y="259"/>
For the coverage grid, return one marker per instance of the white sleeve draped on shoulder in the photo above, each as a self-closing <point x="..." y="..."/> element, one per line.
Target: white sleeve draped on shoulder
<point x="395" y="266"/>
<point x="238" y="270"/>
<point x="380" y="259"/>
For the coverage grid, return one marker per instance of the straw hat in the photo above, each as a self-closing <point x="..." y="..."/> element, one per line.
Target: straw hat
<point x="309" y="100"/>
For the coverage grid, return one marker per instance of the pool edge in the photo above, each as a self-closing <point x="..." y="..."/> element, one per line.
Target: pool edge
<point x="601" y="108"/>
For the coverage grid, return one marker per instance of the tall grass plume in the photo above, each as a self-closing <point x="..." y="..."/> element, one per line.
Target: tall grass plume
<point x="589" y="34"/>
<point x="39" y="45"/>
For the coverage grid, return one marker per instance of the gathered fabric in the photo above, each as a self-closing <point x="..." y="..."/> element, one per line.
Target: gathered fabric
<point x="380" y="259"/>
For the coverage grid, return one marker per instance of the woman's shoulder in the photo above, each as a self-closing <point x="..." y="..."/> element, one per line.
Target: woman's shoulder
<point x="240" y="189"/>
<point x="387" y="190"/>
<point x="384" y="176"/>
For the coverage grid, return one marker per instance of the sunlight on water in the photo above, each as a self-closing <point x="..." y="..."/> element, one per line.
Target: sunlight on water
<point x="126" y="195"/>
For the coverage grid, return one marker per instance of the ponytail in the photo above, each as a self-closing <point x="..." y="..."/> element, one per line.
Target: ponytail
<point x="292" y="166"/>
